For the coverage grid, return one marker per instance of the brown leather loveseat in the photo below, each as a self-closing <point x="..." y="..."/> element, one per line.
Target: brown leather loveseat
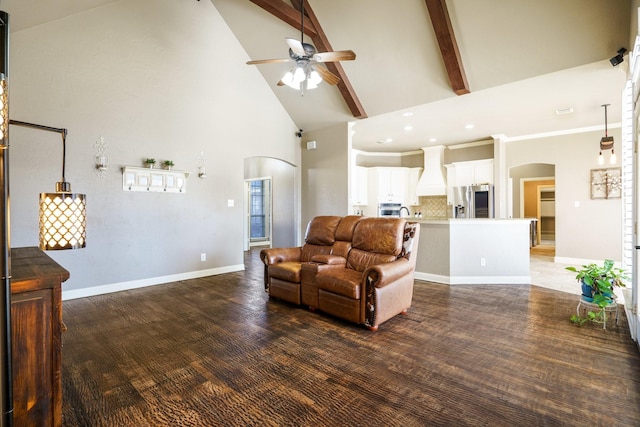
<point x="356" y="268"/>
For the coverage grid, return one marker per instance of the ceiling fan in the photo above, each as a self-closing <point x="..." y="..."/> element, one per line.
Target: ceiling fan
<point x="307" y="73"/>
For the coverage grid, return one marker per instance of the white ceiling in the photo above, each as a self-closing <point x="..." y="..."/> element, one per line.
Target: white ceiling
<point x="523" y="60"/>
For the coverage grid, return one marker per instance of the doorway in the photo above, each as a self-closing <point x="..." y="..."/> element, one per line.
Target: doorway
<point x="259" y="214"/>
<point x="546" y="207"/>
<point x="276" y="206"/>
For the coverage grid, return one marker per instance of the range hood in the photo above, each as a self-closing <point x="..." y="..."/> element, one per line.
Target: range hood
<point x="432" y="182"/>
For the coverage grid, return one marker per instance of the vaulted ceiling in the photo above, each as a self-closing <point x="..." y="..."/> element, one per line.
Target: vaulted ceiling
<point x="519" y="61"/>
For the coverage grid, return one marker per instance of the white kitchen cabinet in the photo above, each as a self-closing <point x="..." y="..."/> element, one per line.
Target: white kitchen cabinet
<point x="483" y="172"/>
<point x="388" y="184"/>
<point x="413" y="176"/>
<point x="470" y="173"/>
<point x="359" y="181"/>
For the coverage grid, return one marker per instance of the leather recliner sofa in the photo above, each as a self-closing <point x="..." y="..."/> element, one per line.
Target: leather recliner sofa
<point x="355" y="268"/>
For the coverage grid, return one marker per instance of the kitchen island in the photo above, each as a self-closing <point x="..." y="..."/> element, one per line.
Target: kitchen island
<point x="474" y="251"/>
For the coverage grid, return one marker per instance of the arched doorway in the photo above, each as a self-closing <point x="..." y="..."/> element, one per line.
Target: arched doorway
<point x="278" y="196"/>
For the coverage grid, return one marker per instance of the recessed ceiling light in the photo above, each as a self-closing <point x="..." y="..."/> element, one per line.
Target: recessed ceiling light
<point x="384" y="141"/>
<point x="408" y="127"/>
<point x="407" y="114"/>
<point x="433" y="139"/>
<point x="470" y="126"/>
<point x="562" y="111"/>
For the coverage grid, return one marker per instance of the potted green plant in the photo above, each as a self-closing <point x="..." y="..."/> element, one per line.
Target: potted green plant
<point x="598" y="283"/>
<point x="150" y="162"/>
<point x="168" y="164"/>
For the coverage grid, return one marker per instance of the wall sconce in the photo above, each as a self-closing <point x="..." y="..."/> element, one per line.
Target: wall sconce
<point x="606" y="142"/>
<point x="101" y="157"/>
<point x="202" y="169"/>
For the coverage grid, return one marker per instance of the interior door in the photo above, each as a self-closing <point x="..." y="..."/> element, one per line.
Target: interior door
<point x="259" y="211"/>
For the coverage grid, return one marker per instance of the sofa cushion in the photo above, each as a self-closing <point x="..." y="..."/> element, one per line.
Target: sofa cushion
<point x="341" y="281"/>
<point x="347" y="225"/>
<point x="379" y="235"/>
<point x="360" y="260"/>
<point x="376" y="241"/>
<point x="289" y="271"/>
<point x="321" y="230"/>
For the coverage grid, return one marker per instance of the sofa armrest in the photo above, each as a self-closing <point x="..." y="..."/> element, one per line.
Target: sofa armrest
<point x="387" y="291"/>
<point x="329" y="259"/>
<point x="276" y="255"/>
<point x="381" y="275"/>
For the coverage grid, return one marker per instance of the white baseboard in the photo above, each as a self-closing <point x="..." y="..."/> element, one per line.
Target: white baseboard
<point x="577" y="262"/>
<point x="473" y="280"/>
<point x="152" y="281"/>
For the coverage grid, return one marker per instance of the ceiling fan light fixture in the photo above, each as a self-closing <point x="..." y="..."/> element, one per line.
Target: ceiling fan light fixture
<point x="299" y="75"/>
<point x="314" y="78"/>
<point x="288" y="80"/>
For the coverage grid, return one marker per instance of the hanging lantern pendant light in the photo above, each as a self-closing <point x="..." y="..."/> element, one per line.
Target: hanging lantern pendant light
<point x="606" y="142"/>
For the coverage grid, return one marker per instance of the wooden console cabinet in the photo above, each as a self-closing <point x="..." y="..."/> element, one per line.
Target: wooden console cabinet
<point x="36" y="322"/>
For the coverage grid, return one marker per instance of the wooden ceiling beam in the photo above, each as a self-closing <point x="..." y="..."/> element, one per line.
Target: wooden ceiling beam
<point x="281" y="10"/>
<point x="321" y="42"/>
<point x="448" y="45"/>
<point x="313" y="29"/>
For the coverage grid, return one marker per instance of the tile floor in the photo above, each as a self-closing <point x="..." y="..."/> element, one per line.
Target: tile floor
<point x="549" y="274"/>
<point x="553" y="275"/>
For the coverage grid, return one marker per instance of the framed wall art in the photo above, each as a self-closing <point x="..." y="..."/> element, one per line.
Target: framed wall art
<point x="606" y="183"/>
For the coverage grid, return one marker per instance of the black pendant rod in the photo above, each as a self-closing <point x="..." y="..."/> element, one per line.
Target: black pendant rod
<point x="61" y="131"/>
<point x="6" y="364"/>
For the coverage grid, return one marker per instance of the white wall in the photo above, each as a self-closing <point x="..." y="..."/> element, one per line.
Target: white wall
<point x="156" y="78"/>
<point x="591" y="230"/>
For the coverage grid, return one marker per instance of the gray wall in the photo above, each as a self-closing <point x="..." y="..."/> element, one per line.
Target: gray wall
<point x="468" y="153"/>
<point x="407" y="160"/>
<point x="585" y="229"/>
<point x="155" y="78"/>
<point x="325" y="173"/>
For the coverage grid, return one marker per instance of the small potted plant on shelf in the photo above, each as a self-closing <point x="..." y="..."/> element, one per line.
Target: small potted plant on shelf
<point x="598" y="283"/>
<point x="168" y="164"/>
<point x="150" y="162"/>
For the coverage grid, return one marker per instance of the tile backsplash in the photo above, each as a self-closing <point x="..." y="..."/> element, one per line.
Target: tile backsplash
<point x="432" y="207"/>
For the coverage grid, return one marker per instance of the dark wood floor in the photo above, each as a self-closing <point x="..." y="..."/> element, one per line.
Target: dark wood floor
<point x="216" y="351"/>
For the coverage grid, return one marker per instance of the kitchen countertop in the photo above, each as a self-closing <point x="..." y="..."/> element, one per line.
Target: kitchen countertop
<point x="473" y="251"/>
<point x="464" y="220"/>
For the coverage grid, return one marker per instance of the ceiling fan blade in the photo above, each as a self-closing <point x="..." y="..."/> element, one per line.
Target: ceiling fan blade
<point x="269" y="61"/>
<point x="296" y="46"/>
<point x="328" y="76"/>
<point x="339" y="55"/>
<point x="280" y="83"/>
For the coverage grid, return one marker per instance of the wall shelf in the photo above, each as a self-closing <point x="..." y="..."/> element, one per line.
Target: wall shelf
<point x="154" y="180"/>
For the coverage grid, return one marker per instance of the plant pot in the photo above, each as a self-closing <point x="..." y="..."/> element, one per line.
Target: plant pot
<point x="587" y="291"/>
